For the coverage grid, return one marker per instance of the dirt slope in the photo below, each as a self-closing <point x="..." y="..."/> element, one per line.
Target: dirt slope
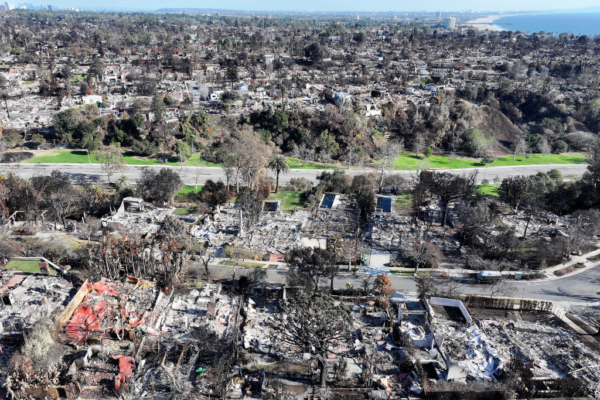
<point x="495" y="125"/>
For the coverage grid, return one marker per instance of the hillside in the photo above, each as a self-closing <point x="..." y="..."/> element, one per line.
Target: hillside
<point x="493" y="124"/>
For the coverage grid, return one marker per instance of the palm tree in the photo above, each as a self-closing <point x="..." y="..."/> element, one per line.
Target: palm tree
<point x="279" y="164"/>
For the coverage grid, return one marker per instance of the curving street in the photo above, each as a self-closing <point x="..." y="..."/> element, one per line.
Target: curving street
<point x="576" y="290"/>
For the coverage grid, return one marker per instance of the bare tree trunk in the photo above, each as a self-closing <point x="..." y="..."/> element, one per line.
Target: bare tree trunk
<point x="445" y="215"/>
<point x="323" y="371"/>
<point x="206" y="268"/>
<point x="527" y="226"/>
<point x="6" y="104"/>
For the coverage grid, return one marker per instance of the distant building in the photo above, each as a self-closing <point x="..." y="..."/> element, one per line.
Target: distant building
<point x="91" y="99"/>
<point x="439" y="16"/>
<point x="259" y="93"/>
<point x="450" y="23"/>
<point x="269" y="59"/>
<point x="341" y="98"/>
<point x="50" y="8"/>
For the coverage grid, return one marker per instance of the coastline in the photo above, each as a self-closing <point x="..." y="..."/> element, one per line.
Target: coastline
<point x="486" y="23"/>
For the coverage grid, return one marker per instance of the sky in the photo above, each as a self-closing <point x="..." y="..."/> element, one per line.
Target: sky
<point x="336" y="5"/>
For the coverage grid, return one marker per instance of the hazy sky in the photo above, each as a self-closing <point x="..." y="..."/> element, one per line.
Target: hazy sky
<point x="335" y="5"/>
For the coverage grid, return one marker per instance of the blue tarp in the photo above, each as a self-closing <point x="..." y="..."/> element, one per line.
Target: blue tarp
<point x="385" y="203"/>
<point x="271" y="206"/>
<point x="328" y="202"/>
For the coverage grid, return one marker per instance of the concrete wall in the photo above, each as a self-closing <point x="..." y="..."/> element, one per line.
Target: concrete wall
<point x="437" y="301"/>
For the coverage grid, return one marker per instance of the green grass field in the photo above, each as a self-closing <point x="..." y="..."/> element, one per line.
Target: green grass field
<point x="187" y="189"/>
<point x="30" y="267"/>
<point x="244" y="264"/>
<point x="408" y="273"/>
<point x="184" y="211"/>
<point x="408" y="161"/>
<point x="81" y="157"/>
<point x="290" y="200"/>
<point x="411" y="162"/>
<point x="186" y="194"/>
<point x="488" y="190"/>
<point x="78" y="78"/>
<point x="295" y="163"/>
<point x="403" y="203"/>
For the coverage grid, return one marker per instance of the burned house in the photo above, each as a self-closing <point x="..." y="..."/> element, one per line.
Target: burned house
<point x="26" y="300"/>
<point x="370" y="360"/>
<point x="469" y="345"/>
<point x="135" y="213"/>
<point x="127" y="338"/>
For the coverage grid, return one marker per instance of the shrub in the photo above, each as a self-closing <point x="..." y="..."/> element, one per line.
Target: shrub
<point x="12" y="141"/>
<point x="383" y="285"/>
<point x="560" y="146"/>
<point x="144" y="148"/>
<point x="299" y="184"/>
<point x="477" y="144"/>
<point x="53" y="251"/>
<point x="555" y="175"/>
<point x="159" y="186"/>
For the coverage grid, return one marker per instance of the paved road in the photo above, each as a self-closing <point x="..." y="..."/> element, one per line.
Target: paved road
<point x="188" y="174"/>
<point x="576" y="290"/>
<point x="573" y="291"/>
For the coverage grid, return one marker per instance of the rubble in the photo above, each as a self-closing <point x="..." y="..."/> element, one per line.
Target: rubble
<point x="27" y="299"/>
<point x="136" y="214"/>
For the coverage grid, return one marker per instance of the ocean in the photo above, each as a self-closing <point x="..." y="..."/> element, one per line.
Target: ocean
<point x="578" y="24"/>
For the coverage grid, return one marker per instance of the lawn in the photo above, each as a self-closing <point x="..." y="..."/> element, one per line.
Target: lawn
<point x="290" y="200"/>
<point x="188" y="189"/>
<point x="244" y="264"/>
<point x="403" y="202"/>
<point x="488" y="190"/>
<point x="184" y="211"/>
<point x="81" y="157"/>
<point x="409" y="273"/>
<point x="29" y="266"/>
<point x="77" y="78"/>
<point x="295" y="163"/>
<point x="409" y="161"/>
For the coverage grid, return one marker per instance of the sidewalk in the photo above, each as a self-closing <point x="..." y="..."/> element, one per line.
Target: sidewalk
<point x="549" y="272"/>
<point x="370" y="270"/>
